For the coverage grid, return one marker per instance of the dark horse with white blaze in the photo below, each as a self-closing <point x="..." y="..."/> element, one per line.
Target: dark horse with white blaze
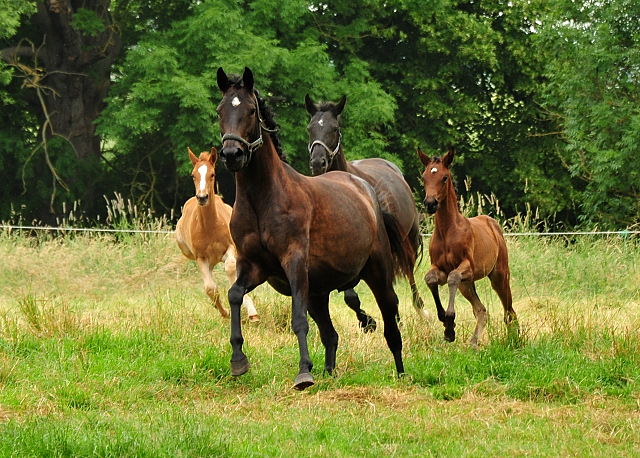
<point x="305" y="236"/>
<point x="393" y="192"/>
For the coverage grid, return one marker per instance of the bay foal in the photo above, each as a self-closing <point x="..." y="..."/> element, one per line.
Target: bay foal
<point x="462" y="250"/>
<point x="203" y="233"/>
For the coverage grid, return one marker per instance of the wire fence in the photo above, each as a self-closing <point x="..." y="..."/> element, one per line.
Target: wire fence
<point x="624" y="233"/>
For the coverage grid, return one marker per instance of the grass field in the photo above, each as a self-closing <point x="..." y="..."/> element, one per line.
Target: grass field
<point x="109" y="347"/>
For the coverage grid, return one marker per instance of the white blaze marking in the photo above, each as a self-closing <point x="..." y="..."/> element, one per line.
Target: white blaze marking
<point x="434" y="170"/>
<point x="202" y="170"/>
<point x="321" y="123"/>
<point x="235" y="102"/>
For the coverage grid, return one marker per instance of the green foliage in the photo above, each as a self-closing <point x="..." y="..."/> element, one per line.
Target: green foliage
<point x="592" y="94"/>
<point x="88" y="22"/>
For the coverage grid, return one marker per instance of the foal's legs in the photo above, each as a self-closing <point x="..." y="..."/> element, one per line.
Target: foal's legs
<point x="232" y="274"/>
<point x="462" y="273"/>
<point x="367" y="323"/>
<point x="210" y="287"/>
<point x="468" y="290"/>
<point x="319" y="311"/>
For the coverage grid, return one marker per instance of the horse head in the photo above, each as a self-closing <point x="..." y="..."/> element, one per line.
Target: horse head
<point x="240" y="122"/>
<point x="324" y="133"/>
<point x="435" y="177"/>
<point x="204" y="174"/>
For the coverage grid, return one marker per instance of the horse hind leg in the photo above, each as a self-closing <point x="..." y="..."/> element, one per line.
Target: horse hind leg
<point x="417" y="301"/>
<point x="434" y="278"/>
<point x="500" y="284"/>
<point x="210" y="287"/>
<point x="232" y="275"/>
<point x="367" y="323"/>
<point x="319" y="311"/>
<point x="468" y="290"/>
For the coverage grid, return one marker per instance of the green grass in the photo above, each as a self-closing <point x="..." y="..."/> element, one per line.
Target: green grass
<point x="109" y="347"/>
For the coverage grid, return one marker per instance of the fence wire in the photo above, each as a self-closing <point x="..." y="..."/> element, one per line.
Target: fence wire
<point x="144" y="231"/>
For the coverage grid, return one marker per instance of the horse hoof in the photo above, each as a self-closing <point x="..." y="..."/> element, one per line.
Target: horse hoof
<point x="254" y="318"/>
<point x="239" y="367"/>
<point x="369" y="326"/>
<point x="303" y="381"/>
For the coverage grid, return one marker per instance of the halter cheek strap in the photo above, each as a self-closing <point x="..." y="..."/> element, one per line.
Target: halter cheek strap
<point x="333" y="153"/>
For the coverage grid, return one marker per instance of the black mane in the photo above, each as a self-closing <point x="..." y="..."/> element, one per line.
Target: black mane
<point x="266" y="114"/>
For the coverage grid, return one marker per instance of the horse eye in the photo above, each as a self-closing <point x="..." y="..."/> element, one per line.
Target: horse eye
<point x="444" y="180"/>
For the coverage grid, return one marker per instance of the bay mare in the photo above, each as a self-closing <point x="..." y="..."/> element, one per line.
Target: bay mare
<point x="394" y="194"/>
<point x="305" y="236"/>
<point x="202" y="232"/>
<point x="462" y="251"/>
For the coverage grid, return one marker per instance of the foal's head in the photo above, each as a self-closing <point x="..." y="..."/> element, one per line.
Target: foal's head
<point x="204" y="175"/>
<point x="437" y="179"/>
<point x="324" y="133"/>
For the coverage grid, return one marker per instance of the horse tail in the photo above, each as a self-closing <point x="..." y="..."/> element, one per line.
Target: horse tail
<point x="404" y="255"/>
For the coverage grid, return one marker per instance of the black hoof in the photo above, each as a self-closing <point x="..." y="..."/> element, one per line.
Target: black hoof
<point x="303" y="381"/>
<point x="239" y="367"/>
<point x="368" y="324"/>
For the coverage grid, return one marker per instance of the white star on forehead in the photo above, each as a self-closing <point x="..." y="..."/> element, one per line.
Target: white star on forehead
<point x="321" y="123"/>
<point x="434" y="170"/>
<point x="235" y="102"/>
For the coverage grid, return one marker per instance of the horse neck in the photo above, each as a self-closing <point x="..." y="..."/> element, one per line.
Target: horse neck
<point x="208" y="215"/>
<point x="265" y="169"/>
<point x="448" y="212"/>
<point x="339" y="162"/>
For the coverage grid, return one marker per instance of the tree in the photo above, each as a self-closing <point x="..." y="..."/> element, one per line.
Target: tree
<point x="63" y="57"/>
<point x="592" y="95"/>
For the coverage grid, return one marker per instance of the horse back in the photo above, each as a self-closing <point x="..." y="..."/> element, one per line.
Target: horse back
<point x="393" y="192"/>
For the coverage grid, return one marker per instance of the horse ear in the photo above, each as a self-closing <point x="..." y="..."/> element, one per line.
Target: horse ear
<point x="247" y="77"/>
<point x="223" y="80"/>
<point x="448" y="158"/>
<point x="213" y="157"/>
<point x="340" y="106"/>
<point x="193" y="157"/>
<point x="423" y="158"/>
<point x="309" y="105"/>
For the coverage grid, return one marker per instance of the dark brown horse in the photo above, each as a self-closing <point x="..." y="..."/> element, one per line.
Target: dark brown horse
<point x="304" y="236"/>
<point x="392" y="191"/>
<point x="462" y="250"/>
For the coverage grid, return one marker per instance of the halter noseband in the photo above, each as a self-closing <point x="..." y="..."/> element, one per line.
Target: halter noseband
<point x="333" y="153"/>
<point x="251" y="147"/>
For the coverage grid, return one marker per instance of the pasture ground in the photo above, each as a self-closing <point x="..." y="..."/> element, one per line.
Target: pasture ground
<point x="109" y="347"/>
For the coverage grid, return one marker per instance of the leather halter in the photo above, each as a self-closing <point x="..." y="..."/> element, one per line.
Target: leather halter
<point x="333" y="153"/>
<point x="251" y="147"/>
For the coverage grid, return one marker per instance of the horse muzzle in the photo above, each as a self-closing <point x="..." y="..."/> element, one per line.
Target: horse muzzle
<point x="202" y="199"/>
<point x="318" y="166"/>
<point x="431" y="205"/>
<point x="233" y="158"/>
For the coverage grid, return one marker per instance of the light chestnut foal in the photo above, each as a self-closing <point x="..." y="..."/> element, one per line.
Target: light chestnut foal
<point x="462" y="251"/>
<point x="203" y="233"/>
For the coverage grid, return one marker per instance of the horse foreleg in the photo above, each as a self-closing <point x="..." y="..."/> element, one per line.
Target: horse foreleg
<point x="295" y="267"/>
<point x="463" y="272"/>
<point x="434" y="278"/>
<point x="468" y="290"/>
<point x="248" y="279"/>
<point x="210" y="287"/>
<point x="319" y="311"/>
<point x="232" y="274"/>
<point x="367" y="323"/>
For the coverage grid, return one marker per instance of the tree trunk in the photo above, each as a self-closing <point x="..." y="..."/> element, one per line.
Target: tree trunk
<point x="69" y="71"/>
